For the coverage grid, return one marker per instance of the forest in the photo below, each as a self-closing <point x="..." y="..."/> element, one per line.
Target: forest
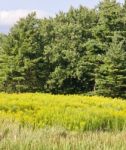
<point x="82" y="51"/>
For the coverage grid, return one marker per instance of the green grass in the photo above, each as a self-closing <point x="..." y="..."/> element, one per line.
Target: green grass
<point x="16" y="137"/>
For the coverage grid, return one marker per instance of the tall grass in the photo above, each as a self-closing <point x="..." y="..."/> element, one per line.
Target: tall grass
<point x="13" y="136"/>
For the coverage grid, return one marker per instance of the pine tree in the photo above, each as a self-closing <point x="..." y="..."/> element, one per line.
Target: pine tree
<point x="24" y="46"/>
<point x="111" y="77"/>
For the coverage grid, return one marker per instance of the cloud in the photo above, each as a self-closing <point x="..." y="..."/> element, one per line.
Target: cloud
<point x="9" y="17"/>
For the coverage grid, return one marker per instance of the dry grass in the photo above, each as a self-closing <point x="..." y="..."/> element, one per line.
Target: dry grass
<point x="17" y="137"/>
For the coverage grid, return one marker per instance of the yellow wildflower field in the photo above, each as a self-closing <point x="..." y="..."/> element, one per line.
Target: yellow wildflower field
<point x="72" y="112"/>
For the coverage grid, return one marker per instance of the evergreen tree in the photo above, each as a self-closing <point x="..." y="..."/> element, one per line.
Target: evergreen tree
<point x="111" y="77"/>
<point x="3" y="62"/>
<point x="80" y="51"/>
<point x="66" y="52"/>
<point x="24" y="46"/>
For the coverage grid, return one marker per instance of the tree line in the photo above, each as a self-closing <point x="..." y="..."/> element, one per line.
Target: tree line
<point x="81" y="51"/>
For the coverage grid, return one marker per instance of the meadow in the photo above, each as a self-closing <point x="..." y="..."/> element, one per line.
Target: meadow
<point x="44" y="121"/>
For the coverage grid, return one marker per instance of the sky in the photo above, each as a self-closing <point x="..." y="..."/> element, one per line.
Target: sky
<point x="12" y="10"/>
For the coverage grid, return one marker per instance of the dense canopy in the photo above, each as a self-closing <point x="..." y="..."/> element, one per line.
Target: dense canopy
<point x="81" y="51"/>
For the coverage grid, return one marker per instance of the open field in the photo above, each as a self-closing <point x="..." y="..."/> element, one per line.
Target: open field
<point x="44" y="121"/>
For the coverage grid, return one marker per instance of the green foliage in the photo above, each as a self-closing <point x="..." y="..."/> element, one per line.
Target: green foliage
<point x="111" y="77"/>
<point x="23" y="48"/>
<point x="68" y="53"/>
